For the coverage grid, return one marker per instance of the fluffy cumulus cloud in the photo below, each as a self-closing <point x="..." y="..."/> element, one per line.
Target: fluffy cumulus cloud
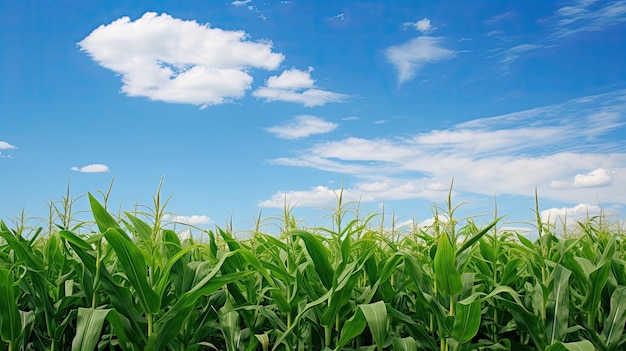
<point x="173" y="60"/>
<point x="410" y="57"/>
<point x="510" y="154"/>
<point x="294" y="85"/>
<point x="570" y="214"/>
<point x="6" y="146"/>
<point x="597" y="178"/>
<point x="92" y="168"/>
<point x="302" y="126"/>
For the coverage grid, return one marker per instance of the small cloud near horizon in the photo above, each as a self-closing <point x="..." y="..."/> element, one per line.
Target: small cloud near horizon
<point x="92" y="168"/>
<point x="596" y="178"/>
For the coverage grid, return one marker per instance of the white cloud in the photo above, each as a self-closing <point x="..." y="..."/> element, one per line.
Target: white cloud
<point x="513" y="54"/>
<point x="588" y="16"/>
<point x="410" y="57"/>
<point x="192" y="220"/>
<point x="500" y="17"/>
<point x="292" y="79"/>
<point x="317" y="196"/>
<point x="302" y="126"/>
<point x="294" y="85"/>
<point x="339" y="17"/>
<point x="596" y="178"/>
<point x="172" y="60"/>
<point x="422" y="25"/>
<point x="240" y="2"/>
<point x="509" y="154"/>
<point x="92" y="168"/>
<point x="570" y="214"/>
<point x="6" y="146"/>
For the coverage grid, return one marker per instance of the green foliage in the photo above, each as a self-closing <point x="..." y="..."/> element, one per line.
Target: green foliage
<point x="133" y="284"/>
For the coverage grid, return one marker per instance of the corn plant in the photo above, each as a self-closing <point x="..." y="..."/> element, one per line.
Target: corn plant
<point x="127" y="281"/>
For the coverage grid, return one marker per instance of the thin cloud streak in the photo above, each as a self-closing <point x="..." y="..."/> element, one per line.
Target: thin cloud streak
<point x="509" y="154"/>
<point x="301" y="127"/>
<point x="588" y="16"/>
<point x="92" y="168"/>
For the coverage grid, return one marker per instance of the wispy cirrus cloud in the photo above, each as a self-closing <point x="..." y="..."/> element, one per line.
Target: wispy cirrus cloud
<point x="294" y="85"/>
<point x="172" y="60"/>
<point x="301" y="127"/>
<point x="509" y="154"/>
<point x="92" y="168"/>
<point x="511" y="55"/>
<point x="588" y="16"/>
<point x="499" y="17"/>
<point x="409" y="58"/>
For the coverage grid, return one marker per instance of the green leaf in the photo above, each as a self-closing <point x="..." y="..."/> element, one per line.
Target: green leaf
<point x="449" y="281"/>
<point x="376" y="316"/>
<point x="614" y="324"/>
<point x="103" y="219"/>
<point x="404" y="344"/>
<point x="10" y="320"/>
<point x="558" y="305"/>
<point x="141" y="228"/>
<point x="466" y="321"/>
<point x="134" y="265"/>
<point x="584" y="345"/>
<point x="476" y="237"/>
<point x="319" y="255"/>
<point x="352" y="328"/>
<point x="88" y="328"/>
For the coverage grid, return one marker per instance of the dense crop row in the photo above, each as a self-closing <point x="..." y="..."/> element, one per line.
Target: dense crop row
<point x="130" y="284"/>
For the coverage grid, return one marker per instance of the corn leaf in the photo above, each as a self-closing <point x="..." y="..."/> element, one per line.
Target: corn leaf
<point x="10" y="322"/>
<point x="558" y="305"/>
<point x="614" y="324"/>
<point x="88" y="328"/>
<point x="352" y="328"/>
<point x="376" y="316"/>
<point x="584" y="345"/>
<point x="134" y="265"/>
<point x="449" y="281"/>
<point x="103" y="219"/>
<point x="466" y="321"/>
<point x="319" y="255"/>
<point x="404" y="344"/>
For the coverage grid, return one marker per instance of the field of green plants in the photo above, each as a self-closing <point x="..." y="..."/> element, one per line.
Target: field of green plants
<point x="128" y="281"/>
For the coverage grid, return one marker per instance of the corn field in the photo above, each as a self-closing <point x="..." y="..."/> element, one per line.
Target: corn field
<point x="128" y="282"/>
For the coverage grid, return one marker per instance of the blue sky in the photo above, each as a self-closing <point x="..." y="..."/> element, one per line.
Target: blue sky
<point x="242" y="105"/>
